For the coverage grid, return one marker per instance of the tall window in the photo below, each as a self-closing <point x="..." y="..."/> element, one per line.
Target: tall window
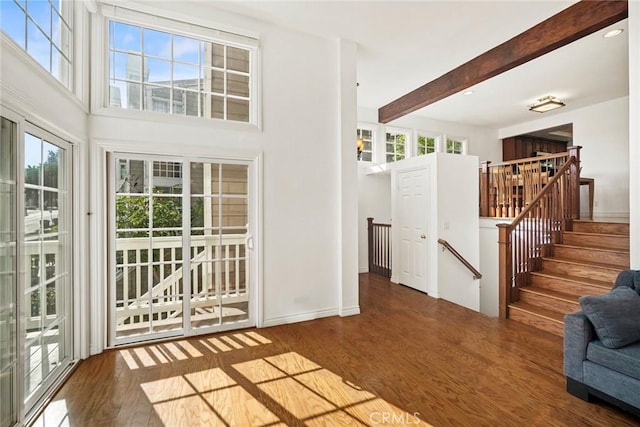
<point x="396" y="145"/>
<point x="43" y="29"/>
<point x="427" y="144"/>
<point x="8" y="273"/>
<point x="171" y="73"/>
<point x="455" y="146"/>
<point x="365" y="151"/>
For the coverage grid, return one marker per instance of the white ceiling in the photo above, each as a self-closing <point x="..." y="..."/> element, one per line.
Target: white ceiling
<point x="403" y="45"/>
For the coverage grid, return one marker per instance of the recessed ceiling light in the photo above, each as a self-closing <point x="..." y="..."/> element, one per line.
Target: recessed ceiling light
<point x="613" y="33"/>
<point x="469" y="92"/>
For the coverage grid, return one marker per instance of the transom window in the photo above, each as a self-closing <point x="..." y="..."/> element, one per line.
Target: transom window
<point x="455" y="146"/>
<point x="365" y="150"/>
<point x="426" y="144"/>
<point x="396" y="145"/>
<point x="43" y="29"/>
<point x="170" y="73"/>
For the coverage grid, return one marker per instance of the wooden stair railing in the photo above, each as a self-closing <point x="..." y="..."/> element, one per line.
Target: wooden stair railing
<point x="379" y="248"/>
<point x="447" y="245"/>
<point x="523" y="242"/>
<point x="506" y="188"/>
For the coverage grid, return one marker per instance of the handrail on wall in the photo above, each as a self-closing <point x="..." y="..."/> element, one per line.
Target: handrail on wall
<point x="476" y="273"/>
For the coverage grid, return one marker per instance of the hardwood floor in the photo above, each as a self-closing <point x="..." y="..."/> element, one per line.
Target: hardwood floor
<point x="407" y="359"/>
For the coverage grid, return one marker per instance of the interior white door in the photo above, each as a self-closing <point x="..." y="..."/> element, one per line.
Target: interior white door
<point x="413" y="213"/>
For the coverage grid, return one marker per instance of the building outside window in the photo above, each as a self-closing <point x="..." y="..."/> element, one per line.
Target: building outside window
<point x="396" y="146"/>
<point x="171" y="73"/>
<point x="43" y="29"/>
<point x="366" y="151"/>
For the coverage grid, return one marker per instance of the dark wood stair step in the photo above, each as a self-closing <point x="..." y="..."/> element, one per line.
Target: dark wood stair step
<point x="618" y="257"/>
<point x="613" y="241"/>
<point x="538" y="317"/>
<point x="600" y="227"/>
<point x="560" y="302"/>
<point x="581" y="268"/>
<point x="570" y="284"/>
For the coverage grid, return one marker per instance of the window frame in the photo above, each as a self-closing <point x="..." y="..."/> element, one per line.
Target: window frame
<point x="373" y="129"/>
<point x="455" y="139"/>
<point x="67" y="54"/>
<point x="153" y="19"/>
<point x="407" y="145"/>
<point x="437" y="137"/>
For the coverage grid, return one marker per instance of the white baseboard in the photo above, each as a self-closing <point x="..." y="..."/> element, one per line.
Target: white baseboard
<point x="363" y="269"/>
<point x="350" y="311"/>
<point x="300" y="317"/>
<point x="610" y="215"/>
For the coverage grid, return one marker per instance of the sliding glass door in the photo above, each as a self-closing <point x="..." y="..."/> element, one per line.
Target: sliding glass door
<point x="179" y="263"/>
<point x="46" y="246"/>
<point x="35" y="266"/>
<point x="8" y="273"/>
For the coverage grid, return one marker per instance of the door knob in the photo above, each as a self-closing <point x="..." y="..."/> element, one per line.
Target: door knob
<point x="422" y="236"/>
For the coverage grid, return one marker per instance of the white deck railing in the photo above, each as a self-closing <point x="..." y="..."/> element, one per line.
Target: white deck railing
<point x="218" y="275"/>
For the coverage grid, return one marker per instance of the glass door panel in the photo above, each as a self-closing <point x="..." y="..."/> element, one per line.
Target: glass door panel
<point x="180" y="240"/>
<point x="219" y="216"/>
<point x="148" y="284"/>
<point x="8" y="276"/>
<point x="47" y="263"/>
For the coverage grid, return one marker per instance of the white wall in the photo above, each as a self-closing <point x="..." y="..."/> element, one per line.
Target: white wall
<point x="29" y="90"/>
<point x="603" y="132"/>
<point x="299" y="141"/>
<point x="348" y="182"/>
<point x="458" y="223"/>
<point x="489" y="289"/>
<point x="634" y="130"/>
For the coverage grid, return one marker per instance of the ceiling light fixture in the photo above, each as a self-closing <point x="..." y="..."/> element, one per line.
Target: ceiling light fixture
<point x="546" y="103"/>
<point x="613" y="33"/>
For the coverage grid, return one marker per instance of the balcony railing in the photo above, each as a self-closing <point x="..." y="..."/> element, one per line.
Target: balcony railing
<point x="218" y="274"/>
<point x="507" y="188"/>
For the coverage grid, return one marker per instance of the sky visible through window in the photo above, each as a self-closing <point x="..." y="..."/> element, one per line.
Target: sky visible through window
<point x="160" y="71"/>
<point x="43" y="29"/>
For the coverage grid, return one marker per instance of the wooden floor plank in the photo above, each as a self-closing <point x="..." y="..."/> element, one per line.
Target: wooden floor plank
<point x="407" y="357"/>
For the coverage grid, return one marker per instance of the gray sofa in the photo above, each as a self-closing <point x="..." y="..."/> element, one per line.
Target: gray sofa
<point x="597" y="363"/>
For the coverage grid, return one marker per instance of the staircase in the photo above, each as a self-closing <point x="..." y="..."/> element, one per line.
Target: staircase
<point x="586" y="263"/>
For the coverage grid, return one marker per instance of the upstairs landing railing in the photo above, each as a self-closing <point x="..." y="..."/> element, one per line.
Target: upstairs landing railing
<point x="379" y="248"/>
<point x="527" y="239"/>
<point x="507" y="188"/>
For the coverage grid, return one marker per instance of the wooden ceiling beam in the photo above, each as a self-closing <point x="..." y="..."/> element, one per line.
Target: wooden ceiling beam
<point x="577" y="21"/>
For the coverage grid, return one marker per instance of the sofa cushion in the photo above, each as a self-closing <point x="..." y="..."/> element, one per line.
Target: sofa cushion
<point x="625" y="360"/>
<point x="615" y="316"/>
<point x="628" y="278"/>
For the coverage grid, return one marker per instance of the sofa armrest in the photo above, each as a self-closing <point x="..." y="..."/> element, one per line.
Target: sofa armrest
<point x="578" y="332"/>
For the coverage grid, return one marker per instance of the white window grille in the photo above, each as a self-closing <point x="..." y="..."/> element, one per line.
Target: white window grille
<point x="365" y="152"/>
<point x="43" y="29"/>
<point x="426" y="144"/>
<point x="167" y="72"/>
<point x="396" y="145"/>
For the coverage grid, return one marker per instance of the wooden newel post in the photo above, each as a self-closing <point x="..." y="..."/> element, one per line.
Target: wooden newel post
<point x="574" y="181"/>
<point x="370" y="243"/>
<point x="485" y="196"/>
<point x="504" y="269"/>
